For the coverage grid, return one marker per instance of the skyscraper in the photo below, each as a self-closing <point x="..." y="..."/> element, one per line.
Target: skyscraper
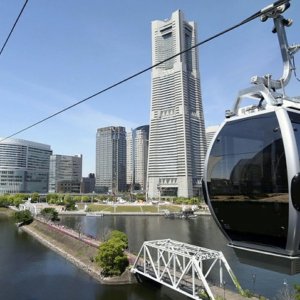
<point x="177" y="133"/>
<point x="137" y="157"/>
<point x="130" y="159"/>
<point x="65" y="173"/>
<point x="141" y="156"/>
<point x="111" y="159"/>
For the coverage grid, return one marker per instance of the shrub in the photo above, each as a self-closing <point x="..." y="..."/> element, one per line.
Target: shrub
<point x="23" y="217"/>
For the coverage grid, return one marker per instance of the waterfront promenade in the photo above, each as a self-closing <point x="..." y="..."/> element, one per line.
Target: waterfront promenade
<point x="132" y="209"/>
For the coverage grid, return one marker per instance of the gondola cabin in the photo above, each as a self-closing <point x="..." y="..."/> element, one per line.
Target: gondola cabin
<point x="252" y="171"/>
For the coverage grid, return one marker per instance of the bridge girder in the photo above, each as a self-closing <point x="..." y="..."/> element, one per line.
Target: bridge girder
<point x="182" y="267"/>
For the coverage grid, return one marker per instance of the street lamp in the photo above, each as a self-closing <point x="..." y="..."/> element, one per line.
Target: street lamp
<point x="285" y="284"/>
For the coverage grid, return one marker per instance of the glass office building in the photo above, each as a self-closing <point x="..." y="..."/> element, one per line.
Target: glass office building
<point x="111" y="159"/>
<point x="65" y="173"/>
<point x="24" y="166"/>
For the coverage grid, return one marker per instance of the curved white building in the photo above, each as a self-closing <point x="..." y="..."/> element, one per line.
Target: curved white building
<point x="137" y="157"/>
<point x="24" y="166"/>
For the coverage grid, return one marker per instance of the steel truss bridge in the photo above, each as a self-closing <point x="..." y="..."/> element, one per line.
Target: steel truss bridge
<point x="182" y="267"/>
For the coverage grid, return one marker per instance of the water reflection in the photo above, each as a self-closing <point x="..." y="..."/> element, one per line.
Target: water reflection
<point x="30" y="271"/>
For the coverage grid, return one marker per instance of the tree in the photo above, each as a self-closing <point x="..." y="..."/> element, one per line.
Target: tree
<point x="50" y="213"/>
<point x="35" y="197"/>
<point x="111" y="257"/>
<point x="17" y="199"/>
<point x="77" y="198"/>
<point x="54" y="199"/>
<point x="85" y="199"/>
<point x="141" y="197"/>
<point x="4" y="201"/>
<point x="23" y="217"/>
<point x="116" y="234"/>
<point x="69" y="202"/>
<point x="101" y="197"/>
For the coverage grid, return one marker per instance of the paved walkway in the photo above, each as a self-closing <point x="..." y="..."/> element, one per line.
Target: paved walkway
<point x="229" y="295"/>
<point x="80" y="236"/>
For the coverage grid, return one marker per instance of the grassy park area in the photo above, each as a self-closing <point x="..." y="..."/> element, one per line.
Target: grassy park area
<point x="136" y="208"/>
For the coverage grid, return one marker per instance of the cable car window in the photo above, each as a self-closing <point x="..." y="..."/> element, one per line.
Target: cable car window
<point x="247" y="181"/>
<point x="295" y="118"/>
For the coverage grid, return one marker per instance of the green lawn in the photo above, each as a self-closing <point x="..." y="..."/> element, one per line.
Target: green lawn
<point x="132" y="208"/>
<point x="128" y="208"/>
<point x="100" y="207"/>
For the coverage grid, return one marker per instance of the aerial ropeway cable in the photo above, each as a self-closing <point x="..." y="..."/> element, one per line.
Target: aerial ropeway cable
<point x="245" y="21"/>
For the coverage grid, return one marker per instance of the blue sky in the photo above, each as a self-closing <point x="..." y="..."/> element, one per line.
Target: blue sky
<point x="65" y="50"/>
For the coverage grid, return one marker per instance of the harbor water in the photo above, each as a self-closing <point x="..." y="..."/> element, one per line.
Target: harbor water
<point x="30" y="271"/>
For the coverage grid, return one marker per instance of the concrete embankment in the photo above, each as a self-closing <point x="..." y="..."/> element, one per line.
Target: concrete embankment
<point x="6" y="212"/>
<point x="77" y="251"/>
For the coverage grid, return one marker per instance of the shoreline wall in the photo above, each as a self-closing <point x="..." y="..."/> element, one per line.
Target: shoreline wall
<point x="90" y="268"/>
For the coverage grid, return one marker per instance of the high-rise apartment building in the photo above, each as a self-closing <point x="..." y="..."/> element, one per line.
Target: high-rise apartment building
<point x="141" y="142"/>
<point x="137" y="157"/>
<point x="65" y="173"/>
<point x="177" y="133"/>
<point x="111" y="159"/>
<point x="130" y="159"/>
<point x="24" y="166"/>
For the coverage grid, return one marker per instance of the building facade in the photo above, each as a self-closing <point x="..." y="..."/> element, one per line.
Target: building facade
<point x="24" y="166"/>
<point x="177" y="143"/>
<point x="210" y="133"/>
<point x="130" y="159"/>
<point x="87" y="184"/>
<point x="141" y="142"/>
<point x="65" y="173"/>
<point x="137" y="157"/>
<point x="111" y="159"/>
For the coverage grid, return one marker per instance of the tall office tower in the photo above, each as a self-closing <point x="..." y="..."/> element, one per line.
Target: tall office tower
<point x="177" y="133"/>
<point x="24" y="166"/>
<point x="65" y="173"/>
<point x="111" y="159"/>
<point x="137" y="157"/>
